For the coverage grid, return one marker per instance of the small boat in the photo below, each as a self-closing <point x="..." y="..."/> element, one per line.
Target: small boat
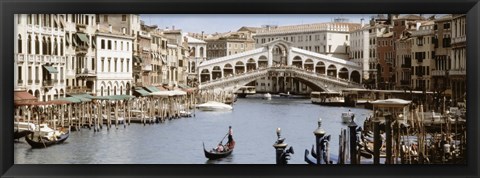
<point x="23" y="129"/>
<point x="214" y="106"/>
<point x="285" y="94"/>
<point x="308" y="159"/>
<point x="46" y="136"/>
<point x="214" y="154"/>
<point x="347" y="117"/>
<point x="267" y="96"/>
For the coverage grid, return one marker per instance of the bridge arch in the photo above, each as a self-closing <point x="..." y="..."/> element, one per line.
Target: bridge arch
<point x="262" y="62"/>
<point x="227" y="70"/>
<point x="320" y="68"/>
<point x="216" y="72"/>
<point x="205" y="75"/>
<point x="239" y="67"/>
<point x="343" y="73"/>
<point x="332" y="70"/>
<point x="355" y="76"/>
<point x="251" y="65"/>
<point x="280" y="51"/>
<point x="297" y="62"/>
<point x="308" y="65"/>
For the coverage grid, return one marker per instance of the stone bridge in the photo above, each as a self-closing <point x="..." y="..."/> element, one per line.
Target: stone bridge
<point x="282" y="65"/>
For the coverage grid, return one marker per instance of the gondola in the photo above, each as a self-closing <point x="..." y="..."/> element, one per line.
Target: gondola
<point x="308" y="159"/>
<point x="41" y="142"/>
<point x="21" y="133"/>
<point x="213" y="154"/>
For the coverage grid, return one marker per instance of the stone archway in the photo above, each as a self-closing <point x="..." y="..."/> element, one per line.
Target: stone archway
<point x="239" y="67"/>
<point x="216" y="72"/>
<point x="343" y="73"/>
<point x="355" y="76"/>
<point x="332" y="71"/>
<point x="308" y="65"/>
<point x="297" y="62"/>
<point x="320" y="68"/>
<point x="279" y="50"/>
<point x="251" y="65"/>
<point x="205" y="75"/>
<point x="262" y="62"/>
<point x="227" y="70"/>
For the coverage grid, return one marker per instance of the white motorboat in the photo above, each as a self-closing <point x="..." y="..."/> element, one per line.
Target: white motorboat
<point x="214" y="106"/>
<point x="267" y="96"/>
<point x="22" y="129"/>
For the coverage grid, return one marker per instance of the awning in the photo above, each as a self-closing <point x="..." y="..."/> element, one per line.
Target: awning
<point x="163" y="59"/>
<point x="152" y="89"/>
<point x="137" y="59"/>
<point x="113" y="97"/>
<point x="83" y="37"/>
<point x="71" y="99"/>
<point x="161" y="88"/>
<point x="23" y="97"/>
<point x="51" y="69"/>
<point x="82" y="97"/>
<point x="74" y="42"/>
<point x="142" y="92"/>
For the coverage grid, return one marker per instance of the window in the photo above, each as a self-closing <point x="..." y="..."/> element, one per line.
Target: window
<point x="102" y="44"/>
<point x="108" y="63"/>
<point x="93" y="63"/>
<point x="128" y="46"/>
<point x="446" y="25"/>
<point x="29" y="74"/>
<point x="121" y="45"/>
<point x="346" y="37"/>
<point x="115" y="45"/>
<point x="20" y="74"/>
<point x="124" y="18"/>
<point x="115" y="64"/>
<point x="103" y="64"/>
<point x="105" y="18"/>
<point x="29" y="45"/>
<point x="109" y="45"/>
<point x="329" y="48"/>
<point x="19" y="44"/>
<point x="128" y="65"/>
<point x="97" y="18"/>
<point x="121" y="65"/>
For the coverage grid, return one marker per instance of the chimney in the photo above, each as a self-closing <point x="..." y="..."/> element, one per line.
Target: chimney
<point x="361" y="22"/>
<point x="109" y="28"/>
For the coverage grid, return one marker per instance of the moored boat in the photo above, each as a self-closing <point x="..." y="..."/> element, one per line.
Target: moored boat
<point x="22" y="129"/>
<point x="214" y="106"/>
<point x="347" y="117"/>
<point x="267" y="96"/>
<point x="45" y="136"/>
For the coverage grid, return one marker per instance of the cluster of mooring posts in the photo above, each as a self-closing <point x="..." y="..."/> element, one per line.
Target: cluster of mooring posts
<point x="86" y="111"/>
<point x="397" y="133"/>
<point x="223" y="96"/>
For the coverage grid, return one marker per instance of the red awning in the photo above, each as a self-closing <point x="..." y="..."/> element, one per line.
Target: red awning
<point x="23" y="98"/>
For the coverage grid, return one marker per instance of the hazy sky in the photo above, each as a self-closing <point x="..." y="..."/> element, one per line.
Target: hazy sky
<point x="211" y="23"/>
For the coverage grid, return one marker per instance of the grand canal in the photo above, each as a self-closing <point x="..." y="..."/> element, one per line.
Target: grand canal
<point x="179" y="141"/>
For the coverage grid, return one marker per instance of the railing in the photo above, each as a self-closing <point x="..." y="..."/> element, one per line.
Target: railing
<point x="459" y="39"/>
<point x="457" y="72"/>
<point x="438" y="73"/>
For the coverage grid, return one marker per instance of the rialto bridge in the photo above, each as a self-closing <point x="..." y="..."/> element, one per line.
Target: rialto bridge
<point x="281" y="64"/>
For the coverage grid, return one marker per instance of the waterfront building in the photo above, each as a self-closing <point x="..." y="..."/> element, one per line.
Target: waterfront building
<point x="402" y="26"/>
<point x="359" y="48"/>
<point x="80" y="51"/>
<point x="39" y="53"/>
<point x="142" y="64"/>
<point x="159" y="60"/>
<point x="422" y="51"/>
<point x="230" y="43"/>
<point x="197" y="53"/>
<point x="457" y="72"/>
<point x="442" y="59"/>
<point x="176" y="58"/>
<point x="114" y="60"/>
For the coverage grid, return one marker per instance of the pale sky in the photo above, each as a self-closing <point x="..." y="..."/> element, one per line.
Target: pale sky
<point x="211" y="23"/>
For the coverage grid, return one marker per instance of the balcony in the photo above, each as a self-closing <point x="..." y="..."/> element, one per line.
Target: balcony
<point x="20" y="81"/>
<point x="438" y="73"/>
<point x="48" y="83"/>
<point x="81" y="50"/>
<point x="84" y="72"/>
<point x="457" y="72"/>
<point x="461" y="39"/>
<point x="20" y="58"/>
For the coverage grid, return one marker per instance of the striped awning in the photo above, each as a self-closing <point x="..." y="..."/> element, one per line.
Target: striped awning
<point x="51" y="69"/>
<point x="82" y="37"/>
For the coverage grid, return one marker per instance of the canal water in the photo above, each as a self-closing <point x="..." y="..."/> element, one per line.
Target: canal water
<point x="179" y="141"/>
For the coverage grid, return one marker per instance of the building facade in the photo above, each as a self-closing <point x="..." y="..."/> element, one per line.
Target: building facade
<point x="197" y="53"/>
<point x="422" y="53"/>
<point x="229" y="44"/>
<point x="442" y="59"/>
<point x="457" y="72"/>
<point x="40" y="60"/>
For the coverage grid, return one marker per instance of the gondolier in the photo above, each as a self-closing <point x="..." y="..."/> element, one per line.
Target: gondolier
<point x="230" y="135"/>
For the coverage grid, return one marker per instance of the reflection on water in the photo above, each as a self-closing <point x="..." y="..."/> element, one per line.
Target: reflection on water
<point x="180" y="141"/>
